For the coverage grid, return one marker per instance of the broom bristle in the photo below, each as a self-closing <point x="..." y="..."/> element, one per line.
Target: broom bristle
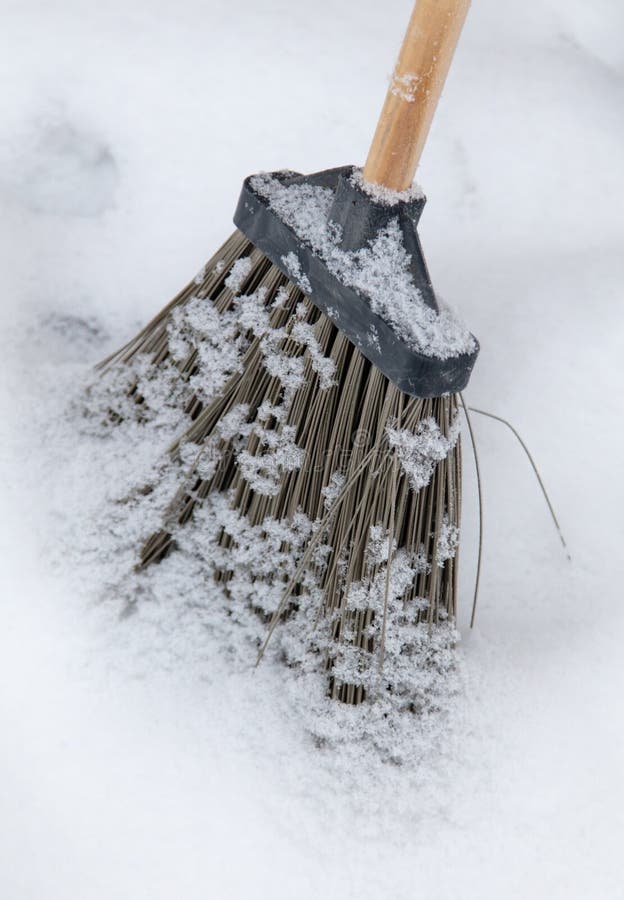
<point x="317" y="481"/>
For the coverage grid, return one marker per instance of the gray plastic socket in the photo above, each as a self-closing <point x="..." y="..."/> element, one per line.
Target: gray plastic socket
<point x="360" y="218"/>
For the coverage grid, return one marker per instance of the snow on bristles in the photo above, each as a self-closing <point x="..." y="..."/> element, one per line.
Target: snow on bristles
<point x="280" y="454"/>
<point x="324" y="367"/>
<point x="333" y="489"/>
<point x="447" y="543"/>
<point x="419" y="451"/>
<point x="238" y="274"/>
<point x="181" y="360"/>
<point x="299" y="523"/>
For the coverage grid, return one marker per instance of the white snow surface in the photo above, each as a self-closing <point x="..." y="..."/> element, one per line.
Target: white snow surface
<point x="137" y="759"/>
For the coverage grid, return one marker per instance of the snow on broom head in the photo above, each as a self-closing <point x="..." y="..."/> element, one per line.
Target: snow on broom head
<point x="319" y="454"/>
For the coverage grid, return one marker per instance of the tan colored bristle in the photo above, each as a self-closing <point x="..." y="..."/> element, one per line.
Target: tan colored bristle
<point x="341" y="429"/>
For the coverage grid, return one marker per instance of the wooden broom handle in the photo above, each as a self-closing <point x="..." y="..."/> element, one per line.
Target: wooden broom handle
<point x="415" y="88"/>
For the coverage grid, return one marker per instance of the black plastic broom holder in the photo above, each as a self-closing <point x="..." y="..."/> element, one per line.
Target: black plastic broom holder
<point x="360" y="218"/>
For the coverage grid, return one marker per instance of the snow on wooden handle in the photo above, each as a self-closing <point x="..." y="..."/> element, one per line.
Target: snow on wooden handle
<point x="414" y="91"/>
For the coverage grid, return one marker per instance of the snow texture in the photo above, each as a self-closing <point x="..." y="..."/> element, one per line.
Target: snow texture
<point x="238" y="273"/>
<point x="418" y="452"/>
<point x="385" y="195"/>
<point x="448" y="541"/>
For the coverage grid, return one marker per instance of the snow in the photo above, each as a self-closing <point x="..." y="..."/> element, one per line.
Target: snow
<point x="238" y="273"/>
<point x="447" y="543"/>
<point x="418" y="452"/>
<point x="405" y="86"/>
<point x="385" y="195"/>
<point x="138" y="759"/>
<point x="293" y="268"/>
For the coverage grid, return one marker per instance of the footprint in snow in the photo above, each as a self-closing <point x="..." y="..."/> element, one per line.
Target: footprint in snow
<point x="60" y="337"/>
<point x="63" y="170"/>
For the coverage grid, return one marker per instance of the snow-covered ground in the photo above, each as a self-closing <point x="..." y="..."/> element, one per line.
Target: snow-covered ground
<point x="136" y="760"/>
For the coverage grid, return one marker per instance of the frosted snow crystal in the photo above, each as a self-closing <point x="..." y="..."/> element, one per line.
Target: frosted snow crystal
<point x="289" y="369"/>
<point x="252" y="313"/>
<point x="238" y="273"/>
<point x="281" y="299"/>
<point x="378" y="545"/>
<point x="379" y="271"/>
<point x="264" y="471"/>
<point x="333" y="489"/>
<point x="324" y="366"/>
<point x="234" y="423"/>
<point x="293" y="267"/>
<point x="447" y="543"/>
<point x="421" y="450"/>
<point x="385" y="195"/>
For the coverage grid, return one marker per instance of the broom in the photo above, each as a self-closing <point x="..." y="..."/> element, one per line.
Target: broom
<point x="320" y="383"/>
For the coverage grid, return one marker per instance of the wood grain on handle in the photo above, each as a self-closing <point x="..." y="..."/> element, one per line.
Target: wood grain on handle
<point x="414" y="91"/>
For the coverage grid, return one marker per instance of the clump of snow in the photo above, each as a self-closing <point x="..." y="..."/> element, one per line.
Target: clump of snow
<point x="252" y="313"/>
<point x="380" y="271"/>
<point x="289" y="369"/>
<point x="281" y="299"/>
<point x="385" y="195"/>
<point x="324" y="366"/>
<point x="420" y="451"/>
<point x="238" y="273"/>
<point x="447" y="542"/>
<point x="293" y="268"/>
<point x="333" y="489"/>
<point x="234" y="423"/>
<point x="378" y="545"/>
<point x="264" y="470"/>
